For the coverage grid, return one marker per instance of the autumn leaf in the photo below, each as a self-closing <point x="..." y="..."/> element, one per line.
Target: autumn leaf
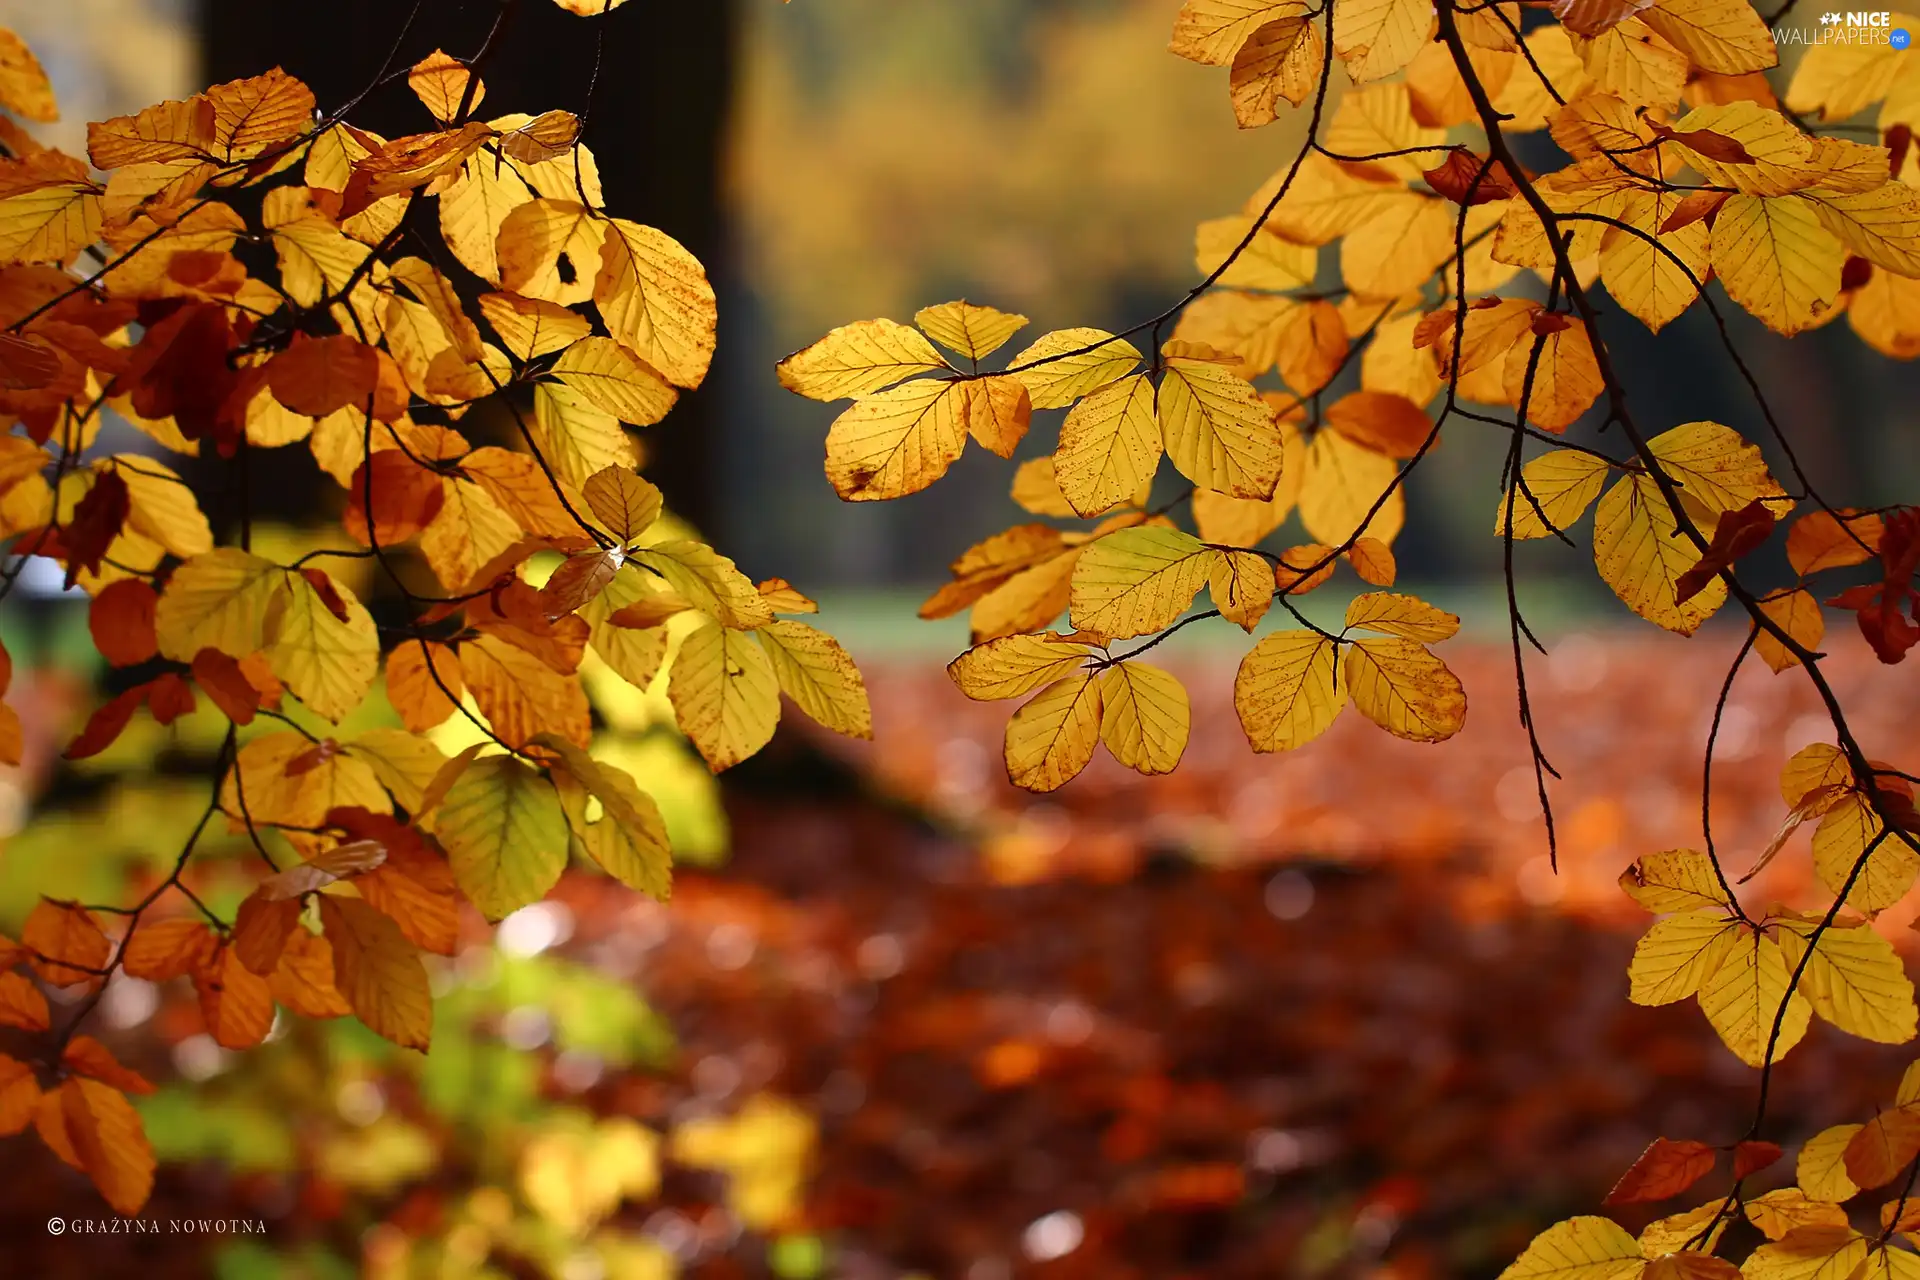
<point x="1053" y="737"/>
<point x="378" y="971"/>
<point x="505" y="835"/>
<point x="1664" y="1170"/>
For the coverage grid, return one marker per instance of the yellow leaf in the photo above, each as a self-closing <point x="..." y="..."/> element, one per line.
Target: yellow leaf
<point x="162" y="506"/>
<point x="1881" y="225"/>
<point x="551" y="250"/>
<point x="529" y="327"/>
<point x="218" y="600"/>
<point x="1676" y="955"/>
<point x="1677" y="880"/>
<point x="469" y="531"/>
<point x="405" y="764"/>
<point x="858" y="359"/>
<point x="626" y="504"/>
<point x="1052" y="738"/>
<point x="326" y="663"/>
<point x="1268" y="261"/>
<point x="1379" y="119"/>
<point x="1218" y="430"/>
<point x="24" y="88"/>
<point x="997" y="413"/>
<point x="1408" y="617"/>
<point x="1014" y="665"/>
<point x="635" y="654"/>
<point x="1821" y="1169"/>
<point x="1779" y="1213"/>
<point x="709" y="582"/>
<point x="1640" y="555"/>
<point x="1245" y="522"/>
<point x="1560" y="484"/>
<point x="1717" y="468"/>
<point x="576" y="437"/>
<point x="1798" y="614"/>
<point x="1376" y="38"/>
<point x="475" y="207"/>
<point x="1838" y="79"/>
<point x="1212" y="31"/>
<point x="1399" y="249"/>
<point x="1728" y="38"/>
<point x="1840" y="841"/>
<point x="1109" y="446"/>
<point x="1280" y="60"/>
<point x="974" y="332"/>
<point x="1743" y="995"/>
<point x="1579" y="1249"/>
<point x="1343" y="481"/>
<point x="439" y="80"/>
<point x="1055" y="378"/>
<point x="260" y="787"/>
<point x="1139" y="580"/>
<point x="725" y="695"/>
<point x="897" y="442"/>
<point x="629" y="841"/>
<point x="1242" y="585"/>
<point x="1633" y="62"/>
<point x="1144" y="717"/>
<point x="1826" y="1250"/>
<point x="378" y="971"/>
<point x="1289" y="689"/>
<point x="1776" y="260"/>
<point x="1327" y="202"/>
<point x="1854" y="980"/>
<point x="614" y="380"/>
<point x="1404" y="689"/>
<point x="504" y="833"/>
<point x="49" y="223"/>
<point x="816" y="672"/>
<point x="316" y="259"/>
<point x="655" y="300"/>
<point x="1566" y="377"/>
<point x="1666" y="1239"/>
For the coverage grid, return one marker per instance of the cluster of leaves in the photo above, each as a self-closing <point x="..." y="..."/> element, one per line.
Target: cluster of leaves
<point x="1465" y="279"/>
<point x="249" y="275"/>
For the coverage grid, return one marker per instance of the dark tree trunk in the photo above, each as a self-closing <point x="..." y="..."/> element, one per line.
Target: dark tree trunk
<point x="656" y="123"/>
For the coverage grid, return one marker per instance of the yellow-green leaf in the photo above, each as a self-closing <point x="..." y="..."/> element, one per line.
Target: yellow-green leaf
<point x="816" y="672"/>
<point x="1743" y="994"/>
<point x="857" y="359"/>
<point x="1138" y="580"/>
<point x="1675" y="956"/>
<point x="1109" y="446"/>
<point x="504" y="833"/>
<point x="1854" y="980"/>
<point x="1579" y="1249"/>
<point x="725" y="695"/>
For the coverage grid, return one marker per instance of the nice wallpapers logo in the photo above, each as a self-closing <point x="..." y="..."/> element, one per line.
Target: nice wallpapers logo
<point x="1848" y="28"/>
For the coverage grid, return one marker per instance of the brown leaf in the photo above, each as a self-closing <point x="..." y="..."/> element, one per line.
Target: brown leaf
<point x="1664" y="1170"/>
<point x="97" y="521"/>
<point x="121" y="622"/>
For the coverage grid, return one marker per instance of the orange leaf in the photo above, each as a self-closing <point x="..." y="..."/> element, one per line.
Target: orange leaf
<point x="261" y="929"/>
<point x="121" y="620"/>
<point x="379" y="972"/>
<point x="304" y="980"/>
<point x="1382" y="421"/>
<point x="234" y="1000"/>
<point x="1884" y="1146"/>
<point x="169" y="697"/>
<point x="107" y="723"/>
<point x="1466" y="178"/>
<point x="97" y="521"/>
<point x="106" y="1135"/>
<point x="1751" y="1157"/>
<point x="91" y="1058"/>
<point x="62" y="932"/>
<point x="1738" y="534"/>
<point x="1664" y="1170"/>
<point x="19" y="1095"/>
<point x="419" y="699"/>
<point x="167" y="949"/>
<point x="21" y="1004"/>
<point x="406" y="497"/>
<point x="221" y="678"/>
<point x="317" y="376"/>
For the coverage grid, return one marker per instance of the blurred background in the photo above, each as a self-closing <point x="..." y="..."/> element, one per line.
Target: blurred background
<point x="1330" y="1014"/>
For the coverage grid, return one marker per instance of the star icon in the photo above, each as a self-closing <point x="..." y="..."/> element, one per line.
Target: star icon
<point x="1829" y="18"/>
